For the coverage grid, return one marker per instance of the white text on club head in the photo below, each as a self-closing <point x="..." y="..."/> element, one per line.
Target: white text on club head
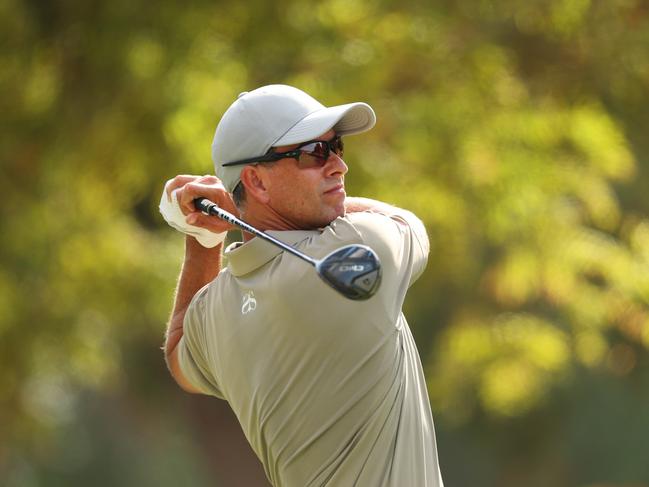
<point x="351" y="267"/>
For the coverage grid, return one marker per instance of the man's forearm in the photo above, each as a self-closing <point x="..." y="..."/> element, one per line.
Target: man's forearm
<point x="201" y="266"/>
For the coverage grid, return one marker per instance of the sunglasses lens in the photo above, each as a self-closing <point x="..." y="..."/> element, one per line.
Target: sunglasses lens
<point x="337" y="146"/>
<point x="316" y="153"/>
<point x="320" y="150"/>
<point x="313" y="155"/>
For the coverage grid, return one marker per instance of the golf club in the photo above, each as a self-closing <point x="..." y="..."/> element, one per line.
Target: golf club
<point x="353" y="270"/>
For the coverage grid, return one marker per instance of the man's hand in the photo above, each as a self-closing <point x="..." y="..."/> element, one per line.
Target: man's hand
<point x="191" y="187"/>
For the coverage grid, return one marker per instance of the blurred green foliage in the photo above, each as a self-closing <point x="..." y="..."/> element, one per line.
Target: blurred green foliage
<point x="516" y="130"/>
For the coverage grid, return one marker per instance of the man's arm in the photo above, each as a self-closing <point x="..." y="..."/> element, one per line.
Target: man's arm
<point x="201" y="266"/>
<point x="419" y="245"/>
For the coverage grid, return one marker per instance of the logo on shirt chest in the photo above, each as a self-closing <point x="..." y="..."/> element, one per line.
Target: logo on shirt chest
<point x="249" y="303"/>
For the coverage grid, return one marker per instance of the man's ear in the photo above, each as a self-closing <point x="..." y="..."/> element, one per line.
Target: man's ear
<point x="253" y="179"/>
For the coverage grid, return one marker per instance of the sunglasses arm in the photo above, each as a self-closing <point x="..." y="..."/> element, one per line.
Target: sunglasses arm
<point x="272" y="157"/>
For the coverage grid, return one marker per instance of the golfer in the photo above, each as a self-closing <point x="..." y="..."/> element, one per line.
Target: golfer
<point x="328" y="391"/>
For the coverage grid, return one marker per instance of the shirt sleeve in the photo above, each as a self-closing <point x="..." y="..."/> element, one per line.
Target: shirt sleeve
<point x="399" y="239"/>
<point x="193" y="348"/>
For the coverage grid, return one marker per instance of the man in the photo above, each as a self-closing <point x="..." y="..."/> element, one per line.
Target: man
<point x="328" y="391"/>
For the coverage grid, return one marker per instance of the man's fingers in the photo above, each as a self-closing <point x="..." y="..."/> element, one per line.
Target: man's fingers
<point x="212" y="224"/>
<point x="212" y="189"/>
<point x="178" y="182"/>
<point x="208" y="179"/>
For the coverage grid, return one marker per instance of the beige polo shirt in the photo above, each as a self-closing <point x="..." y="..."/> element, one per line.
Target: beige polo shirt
<point x="328" y="391"/>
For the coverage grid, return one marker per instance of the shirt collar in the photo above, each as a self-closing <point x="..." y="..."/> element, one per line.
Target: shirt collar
<point x="246" y="257"/>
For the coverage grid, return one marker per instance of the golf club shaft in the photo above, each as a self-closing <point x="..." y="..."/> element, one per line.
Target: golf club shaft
<point x="210" y="208"/>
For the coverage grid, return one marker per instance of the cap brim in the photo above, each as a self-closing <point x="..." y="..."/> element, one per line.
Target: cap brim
<point x="352" y="118"/>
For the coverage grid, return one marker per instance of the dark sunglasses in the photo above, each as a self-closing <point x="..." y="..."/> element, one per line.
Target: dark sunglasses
<point x="314" y="153"/>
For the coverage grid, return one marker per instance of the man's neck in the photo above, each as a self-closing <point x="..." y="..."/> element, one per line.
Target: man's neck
<point x="265" y="218"/>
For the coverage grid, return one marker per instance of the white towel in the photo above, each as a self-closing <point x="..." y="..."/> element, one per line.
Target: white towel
<point x="172" y="214"/>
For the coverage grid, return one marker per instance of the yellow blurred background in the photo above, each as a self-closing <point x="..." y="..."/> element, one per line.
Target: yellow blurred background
<point x="516" y="130"/>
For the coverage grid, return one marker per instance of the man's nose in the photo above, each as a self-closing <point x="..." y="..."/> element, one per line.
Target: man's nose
<point x="335" y="165"/>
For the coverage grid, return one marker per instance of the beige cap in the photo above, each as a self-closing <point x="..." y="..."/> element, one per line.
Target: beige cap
<point x="277" y="115"/>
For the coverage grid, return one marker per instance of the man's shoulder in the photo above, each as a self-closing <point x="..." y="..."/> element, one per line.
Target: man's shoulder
<point x="382" y="231"/>
<point x="364" y="227"/>
<point x="352" y="226"/>
<point x="375" y="223"/>
<point x="367" y="217"/>
<point x="364" y="220"/>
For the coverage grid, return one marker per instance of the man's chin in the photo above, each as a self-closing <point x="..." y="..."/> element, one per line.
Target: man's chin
<point x="339" y="211"/>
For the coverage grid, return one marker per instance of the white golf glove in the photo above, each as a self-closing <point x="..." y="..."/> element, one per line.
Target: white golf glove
<point x="172" y="214"/>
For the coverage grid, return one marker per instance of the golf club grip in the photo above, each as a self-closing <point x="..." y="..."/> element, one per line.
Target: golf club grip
<point x="208" y="207"/>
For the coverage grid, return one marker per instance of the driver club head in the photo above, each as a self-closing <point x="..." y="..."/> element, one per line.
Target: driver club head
<point x="353" y="270"/>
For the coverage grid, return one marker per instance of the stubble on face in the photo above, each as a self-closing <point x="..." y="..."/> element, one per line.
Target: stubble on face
<point x="311" y="197"/>
<point x="303" y="197"/>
